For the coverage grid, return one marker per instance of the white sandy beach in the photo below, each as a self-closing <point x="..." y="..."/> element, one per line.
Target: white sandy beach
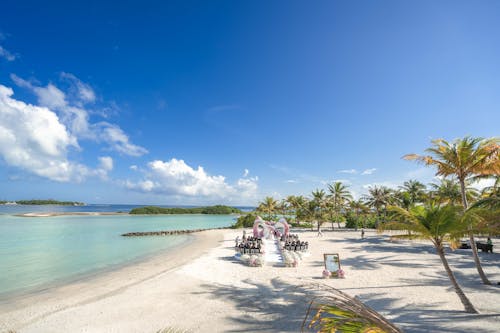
<point x="202" y="288"/>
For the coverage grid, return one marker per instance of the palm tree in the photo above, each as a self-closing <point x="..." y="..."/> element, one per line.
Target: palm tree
<point x="379" y="197"/>
<point x="339" y="196"/>
<point x="268" y="206"/>
<point x="403" y="199"/>
<point x="319" y="204"/>
<point x="464" y="158"/>
<point x="297" y="205"/>
<point x="415" y="190"/>
<point x="358" y="207"/>
<point x="448" y="191"/>
<point x="437" y="224"/>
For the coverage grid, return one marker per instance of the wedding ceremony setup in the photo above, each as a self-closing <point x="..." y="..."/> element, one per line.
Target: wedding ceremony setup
<point x="271" y="243"/>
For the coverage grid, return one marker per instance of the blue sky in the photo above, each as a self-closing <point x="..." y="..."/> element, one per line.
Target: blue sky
<point x="186" y="102"/>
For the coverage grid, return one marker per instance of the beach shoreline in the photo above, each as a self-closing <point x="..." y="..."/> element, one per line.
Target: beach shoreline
<point x="404" y="281"/>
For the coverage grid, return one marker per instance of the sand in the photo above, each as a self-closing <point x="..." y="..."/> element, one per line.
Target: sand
<point x="202" y="288"/>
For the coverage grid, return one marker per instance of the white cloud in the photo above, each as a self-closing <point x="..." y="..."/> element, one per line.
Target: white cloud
<point x="368" y="171"/>
<point x="106" y="163"/>
<point x="291" y="181"/>
<point x="176" y="178"/>
<point x="76" y="118"/>
<point x="84" y="93"/>
<point x="117" y="139"/>
<point x="4" y="53"/>
<point x="32" y="138"/>
<point x="105" y="166"/>
<point x="133" y="167"/>
<point x="246" y="172"/>
<point x="350" y="171"/>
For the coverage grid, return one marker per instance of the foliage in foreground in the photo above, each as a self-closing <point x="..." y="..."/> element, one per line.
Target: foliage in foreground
<point x="215" y="210"/>
<point x="339" y="312"/>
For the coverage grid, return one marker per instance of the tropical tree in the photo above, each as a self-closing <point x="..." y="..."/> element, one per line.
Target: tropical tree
<point x="415" y="190"/>
<point x="317" y="206"/>
<point x="268" y="207"/>
<point x="297" y="205"/>
<point x="379" y="197"/>
<point x="439" y="224"/>
<point x="339" y="195"/>
<point x="467" y="158"/>
<point x="447" y="191"/>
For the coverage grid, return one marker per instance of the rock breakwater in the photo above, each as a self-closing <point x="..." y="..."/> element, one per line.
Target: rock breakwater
<point x="166" y="232"/>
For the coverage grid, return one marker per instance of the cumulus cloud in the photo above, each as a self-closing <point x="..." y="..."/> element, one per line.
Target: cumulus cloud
<point x="71" y="109"/>
<point x="32" y="138"/>
<point x="177" y="178"/>
<point x="246" y="172"/>
<point x="368" y="171"/>
<point x="7" y="55"/>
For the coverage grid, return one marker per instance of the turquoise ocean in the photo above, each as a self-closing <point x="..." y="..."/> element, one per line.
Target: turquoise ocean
<point x="39" y="252"/>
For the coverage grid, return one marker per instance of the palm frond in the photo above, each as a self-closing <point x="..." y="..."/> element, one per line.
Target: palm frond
<point x="339" y="312"/>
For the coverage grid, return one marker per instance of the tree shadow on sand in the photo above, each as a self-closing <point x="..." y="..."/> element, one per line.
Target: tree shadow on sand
<point x="420" y="318"/>
<point x="263" y="307"/>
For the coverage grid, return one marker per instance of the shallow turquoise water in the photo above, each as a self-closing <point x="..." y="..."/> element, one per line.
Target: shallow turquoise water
<point x="41" y="251"/>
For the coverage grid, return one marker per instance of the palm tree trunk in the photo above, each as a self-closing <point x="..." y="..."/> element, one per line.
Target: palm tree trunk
<point x="469" y="308"/>
<point x="475" y="255"/>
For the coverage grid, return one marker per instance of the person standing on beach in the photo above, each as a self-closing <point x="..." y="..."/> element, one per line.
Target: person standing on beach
<point x="363" y="233"/>
<point x="320" y="233"/>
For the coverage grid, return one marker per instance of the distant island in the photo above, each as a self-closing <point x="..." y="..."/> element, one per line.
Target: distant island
<point x="42" y="202"/>
<point x="215" y="210"/>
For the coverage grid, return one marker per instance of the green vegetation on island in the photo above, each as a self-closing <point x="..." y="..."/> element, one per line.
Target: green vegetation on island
<point x="45" y="202"/>
<point x="214" y="210"/>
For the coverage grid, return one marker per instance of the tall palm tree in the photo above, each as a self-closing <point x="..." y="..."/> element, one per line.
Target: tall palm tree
<point x="379" y="197"/>
<point x="464" y="158"/>
<point x="268" y="206"/>
<point x="437" y="224"/>
<point x="319" y="203"/>
<point x="339" y="195"/>
<point x="415" y="190"/>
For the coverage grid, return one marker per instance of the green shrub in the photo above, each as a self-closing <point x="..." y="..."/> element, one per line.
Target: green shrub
<point x="245" y="221"/>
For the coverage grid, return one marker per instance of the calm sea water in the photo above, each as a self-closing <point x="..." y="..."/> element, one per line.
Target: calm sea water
<point x="36" y="252"/>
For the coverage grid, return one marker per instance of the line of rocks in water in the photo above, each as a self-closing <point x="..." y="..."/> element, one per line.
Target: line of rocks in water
<point x="167" y="232"/>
